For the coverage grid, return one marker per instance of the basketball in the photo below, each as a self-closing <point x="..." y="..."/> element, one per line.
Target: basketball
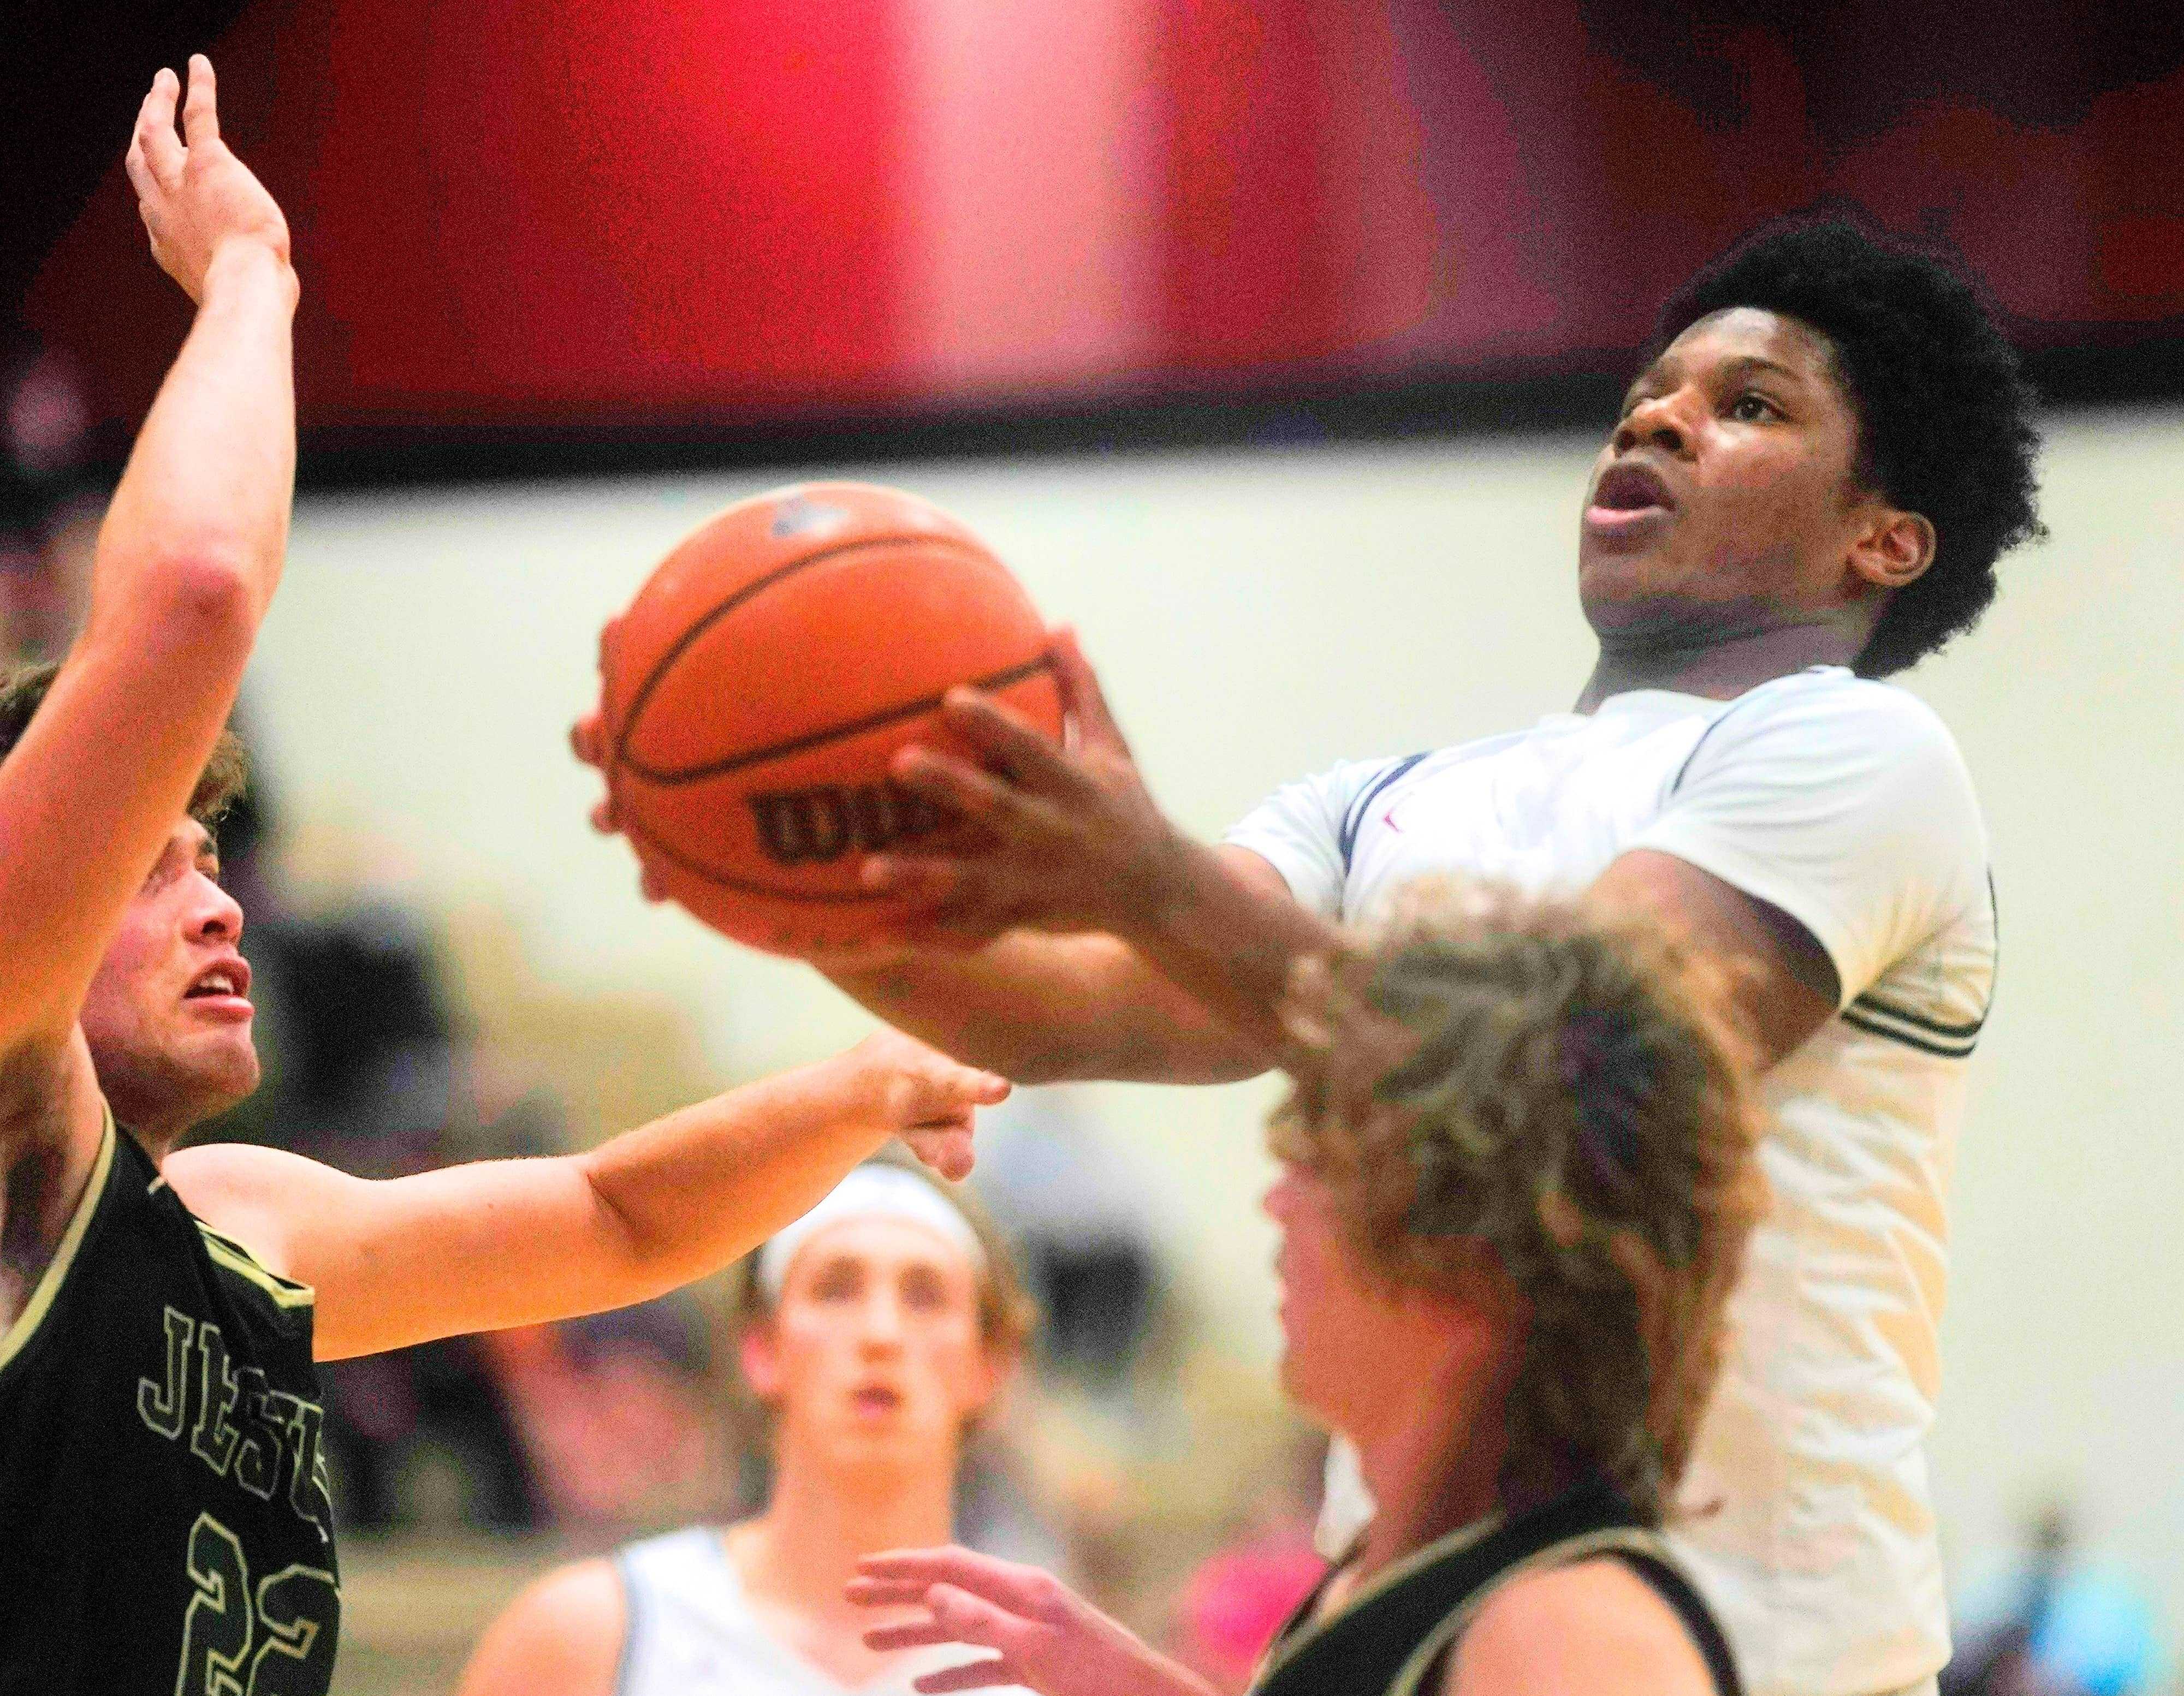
<point x="754" y="690"/>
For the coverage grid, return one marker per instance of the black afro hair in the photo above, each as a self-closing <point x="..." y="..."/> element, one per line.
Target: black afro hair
<point x="1943" y="407"/>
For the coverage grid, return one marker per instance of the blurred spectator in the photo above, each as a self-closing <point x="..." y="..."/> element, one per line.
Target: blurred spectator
<point x="1085" y="1234"/>
<point x="50" y="503"/>
<point x="613" y="1413"/>
<point x="1146" y="1443"/>
<point x="1244" y="1592"/>
<point x="2054" y="1626"/>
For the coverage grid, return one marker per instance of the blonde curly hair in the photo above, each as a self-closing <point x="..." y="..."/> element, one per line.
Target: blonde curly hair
<point x="1534" y="1091"/>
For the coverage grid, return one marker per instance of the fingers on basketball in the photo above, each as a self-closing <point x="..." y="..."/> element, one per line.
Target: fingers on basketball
<point x="1084" y="703"/>
<point x="1007" y="741"/>
<point x="587" y="739"/>
<point x="956" y="786"/>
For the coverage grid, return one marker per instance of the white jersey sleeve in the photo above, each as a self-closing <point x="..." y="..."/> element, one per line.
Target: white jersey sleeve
<point x="1306" y="829"/>
<point x="1843" y="803"/>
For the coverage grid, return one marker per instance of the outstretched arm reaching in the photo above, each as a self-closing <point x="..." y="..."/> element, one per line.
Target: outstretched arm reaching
<point x="186" y="562"/>
<point x="1046" y="1637"/>
<point x="505" y="1243"/>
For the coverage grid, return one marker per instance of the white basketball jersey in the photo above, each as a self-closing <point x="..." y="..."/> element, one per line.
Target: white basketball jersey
<point x="692" y="1632"/>
<point x="1845" y="804"/>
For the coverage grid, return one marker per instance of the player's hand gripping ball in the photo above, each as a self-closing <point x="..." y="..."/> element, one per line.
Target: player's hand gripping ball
<point x="754" y="692"/>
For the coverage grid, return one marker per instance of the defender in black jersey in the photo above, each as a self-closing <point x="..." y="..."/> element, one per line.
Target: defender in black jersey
<point x="1517" y="1179"/>
<point x="163" y="1522"/>
<point x="165" y="1502"/>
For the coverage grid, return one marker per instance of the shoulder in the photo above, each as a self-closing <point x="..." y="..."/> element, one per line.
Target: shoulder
<point x="1592" y="1628"/>
<point x="1346" y="779"/>
<point x="562" y="1636"/>
<point x="253" y="1195"/>
<point x="1831" y="699"/>
<point x="1829" y="729"/>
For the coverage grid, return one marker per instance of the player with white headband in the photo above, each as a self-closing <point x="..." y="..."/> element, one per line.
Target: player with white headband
<point x="874" y="1331"/>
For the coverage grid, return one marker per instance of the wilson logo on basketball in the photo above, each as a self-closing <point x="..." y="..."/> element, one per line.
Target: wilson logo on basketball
<point x="802" y="826"/>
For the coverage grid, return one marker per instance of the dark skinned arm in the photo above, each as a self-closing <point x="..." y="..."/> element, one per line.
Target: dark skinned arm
<point x="1068" y="840"/>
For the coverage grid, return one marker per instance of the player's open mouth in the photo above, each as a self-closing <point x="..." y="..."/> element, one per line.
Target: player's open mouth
<point x="1629" y="498"/>
<point x="875" y="1401"/>
<point x="222" y="988"/>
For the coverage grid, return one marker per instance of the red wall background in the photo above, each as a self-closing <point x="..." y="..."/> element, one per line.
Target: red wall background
<point x="582" y="214"/>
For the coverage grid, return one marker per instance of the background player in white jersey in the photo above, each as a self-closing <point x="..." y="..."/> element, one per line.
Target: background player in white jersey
<point x="1807" y="491"/>
<point x="874" y="1332"/>
<point x="160" y="1479"/>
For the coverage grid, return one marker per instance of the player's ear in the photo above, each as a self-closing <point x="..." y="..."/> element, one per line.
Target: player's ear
<point x="1894" y="549"/>
<point x="997" y="1364"/>
<point x="758" y="1354"/>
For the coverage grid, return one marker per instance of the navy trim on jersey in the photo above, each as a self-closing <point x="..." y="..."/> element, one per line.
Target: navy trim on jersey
<point x="1948" y="1047"/>
<point x="1873" y="1005"/>
<point x="1914" y="1029"/>
<point x="1353" y="821"/>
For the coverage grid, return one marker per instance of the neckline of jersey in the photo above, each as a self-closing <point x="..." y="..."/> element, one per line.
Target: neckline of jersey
<point x="801" y="1666"/>
<point x="1681" y="696"/>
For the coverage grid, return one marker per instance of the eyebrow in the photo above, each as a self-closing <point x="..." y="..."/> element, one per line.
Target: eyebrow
<point x="1743" y="365"/>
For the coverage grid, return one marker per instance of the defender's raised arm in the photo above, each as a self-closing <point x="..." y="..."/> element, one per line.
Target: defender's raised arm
<point x="186" y="563"/>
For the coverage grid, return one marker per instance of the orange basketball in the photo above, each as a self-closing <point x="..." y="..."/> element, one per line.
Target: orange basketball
<point x="754" y="692"/>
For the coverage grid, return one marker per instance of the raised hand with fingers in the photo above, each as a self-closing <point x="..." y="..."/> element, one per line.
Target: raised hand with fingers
<point x="1051" y="838"/>
<point x="928" y="1099"/>
<point x="1046" y="1637"/>
<point x="197" y="200"/>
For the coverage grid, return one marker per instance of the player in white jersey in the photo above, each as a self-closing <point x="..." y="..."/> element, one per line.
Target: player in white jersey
<point x="874" y="1332"/>
<point x="1807" y="491"/>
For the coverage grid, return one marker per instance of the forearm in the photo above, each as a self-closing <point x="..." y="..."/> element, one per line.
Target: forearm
<point x="1047" y="1009"/>
<point x="497" y="1243"/>
<point x="690" y="1193"/>
<point x="1229" y="937"/>
<point x="209" y="483"/>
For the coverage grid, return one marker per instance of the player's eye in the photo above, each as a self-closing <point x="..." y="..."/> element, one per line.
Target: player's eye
<point x="1752" y="408"/>
<point x="164" y="870"/>
<point x="837" y="1281"/>
<point x="921" y="1289"/>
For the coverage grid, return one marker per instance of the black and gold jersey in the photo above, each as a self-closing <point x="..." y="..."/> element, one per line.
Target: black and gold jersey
<point x="1394" y="1637"/>
<point x="165" y="1528"/>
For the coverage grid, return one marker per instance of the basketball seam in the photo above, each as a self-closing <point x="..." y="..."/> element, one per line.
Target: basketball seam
<point x="671" y="777"/>
<point x="698" y="626"/>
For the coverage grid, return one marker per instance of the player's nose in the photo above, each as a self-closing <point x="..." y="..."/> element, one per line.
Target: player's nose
<point x="215" y="916"/>
<point x="1653" y="423"/>
<point x="882" y="1323"/>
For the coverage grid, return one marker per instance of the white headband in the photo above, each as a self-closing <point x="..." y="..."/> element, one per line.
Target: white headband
<point x="870" y="1191"/>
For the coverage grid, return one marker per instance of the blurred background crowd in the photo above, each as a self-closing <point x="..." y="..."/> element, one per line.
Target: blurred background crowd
<point x="1268" y="341"/>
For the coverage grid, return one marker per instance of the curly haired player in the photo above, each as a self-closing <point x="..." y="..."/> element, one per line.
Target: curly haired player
<point x="1518" y="1177"/>
<point x="160" y="1480"/>
<point x="1806" y="491"/>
